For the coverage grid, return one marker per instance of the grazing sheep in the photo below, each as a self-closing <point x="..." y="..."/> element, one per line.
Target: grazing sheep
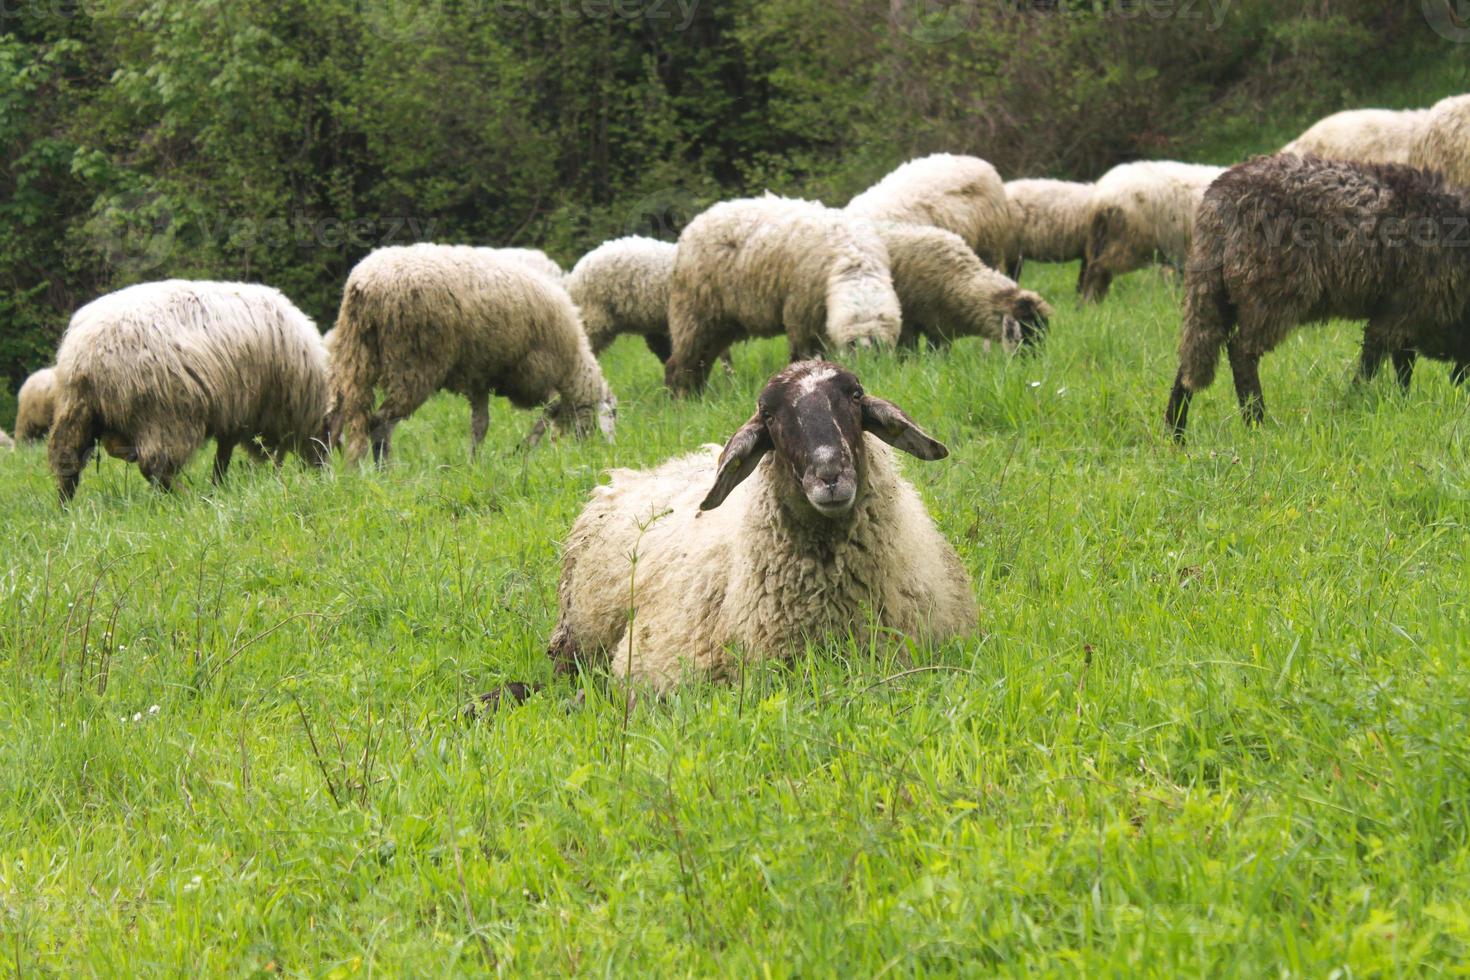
<point x="1362" y="135"/>
<point x="802" y="528"/>
<point x="535" y="260"/>
<point x="946" y="292"/>
<point x="622" y="287"/>
<point x="1285" y="240"/>
<point x="961" y="194"/>
<point x="764" y="266"/>
<point x="422" y="318"/>
<point x="154" y="370"/>
<point x="1049" y="219"/>
<point x="1139" y="211"/>
<point x="36" y="406"/>
<point x="1444" y="140"/>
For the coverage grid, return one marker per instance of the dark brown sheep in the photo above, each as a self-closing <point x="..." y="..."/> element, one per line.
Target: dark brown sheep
<point x="1286" y="240"/>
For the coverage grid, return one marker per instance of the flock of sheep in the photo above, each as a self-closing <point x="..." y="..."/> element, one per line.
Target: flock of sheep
<point x="802" y="525"/>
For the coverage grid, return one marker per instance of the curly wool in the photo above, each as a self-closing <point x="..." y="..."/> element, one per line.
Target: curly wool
<point x="1362" y="135"/>
<point x="156" y="369"/>
<point x="1444" y="140"/>
<point x="961" y="194"/>
<point x="36" y="406"/>
<point x="765" y="266"/>
<point x="622" y="286"/>
<point x="947" y="293"/>
<point x="1140" y="211"/>
<point x="535" y="260"/>
<point x="421" y="318"/>
<point x="1252" y="281"/>
<point x="754" y="578"/>
<point x="1050" y="219"/>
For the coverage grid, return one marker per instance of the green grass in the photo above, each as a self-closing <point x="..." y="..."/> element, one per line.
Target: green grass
<point x="1216" y="724"/>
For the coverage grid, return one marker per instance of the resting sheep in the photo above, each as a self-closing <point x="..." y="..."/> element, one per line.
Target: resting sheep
<point x="422" y="318"/>
<point x="961" y="194"/>
<point x="1362" y="135"/>
<point x="622" y="287"/>
<point x="1444" y="140"/>
<point x="766" y="266"/>
<point x="947" y="293"/>
<point x="35" y="406"/>
<point x="1140" y="211"/>
<point x="803" y="528"/>
<point x="1049" y="219"/>
<point x="154" y="370"/>
<point x="1284" y="241"/>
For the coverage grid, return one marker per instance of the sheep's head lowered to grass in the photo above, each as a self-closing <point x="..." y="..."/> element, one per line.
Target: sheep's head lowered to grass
<point x="812" y="416"/>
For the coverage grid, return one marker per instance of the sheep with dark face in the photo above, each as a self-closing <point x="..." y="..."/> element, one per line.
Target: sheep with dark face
<point x="947" y="293"/>
<point x="1284" y="241"/>
<point x="35" y="406"/>
<point x="802" y="528"/>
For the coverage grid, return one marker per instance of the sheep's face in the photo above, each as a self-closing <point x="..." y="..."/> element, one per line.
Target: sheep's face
<point x="812" y="416"/>
<point x="560" y="416"/>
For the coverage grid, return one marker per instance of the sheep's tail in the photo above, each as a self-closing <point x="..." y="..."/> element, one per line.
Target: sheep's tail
<point x="355" y="360"/>
<point x="1209" y="316"/>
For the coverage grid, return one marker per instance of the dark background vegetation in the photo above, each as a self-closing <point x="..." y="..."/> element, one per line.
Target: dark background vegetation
<point x="281" y="140"/>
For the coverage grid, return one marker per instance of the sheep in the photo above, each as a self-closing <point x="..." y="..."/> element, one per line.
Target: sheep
<point x="622" y="286"/>
<point x="5" y="441"/>
<point x="1049" y="219"/>
<point x="154" y="370"/>
<point x="802" y="528"/>
<point x="36" y="406"/>
<point x="961" y="194"/>
<point x="1362" y="135"/>
<point x="1284" y="241"/>
<point x="1443" y="143"/>
<point x="946" y="292"/>
<point x="535" y="260"/>
<point x="1140" y="210"/>
<point x="417" y="319"/>
<point x="761" y="266"/>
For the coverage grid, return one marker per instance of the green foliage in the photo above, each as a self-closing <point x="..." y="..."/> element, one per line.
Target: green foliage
<point x="1214" y="725"/>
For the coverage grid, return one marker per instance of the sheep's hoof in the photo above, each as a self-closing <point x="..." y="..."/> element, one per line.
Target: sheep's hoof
<point x="510" y="695"/>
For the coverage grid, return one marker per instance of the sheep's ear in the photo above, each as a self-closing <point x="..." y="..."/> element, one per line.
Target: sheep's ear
<point x="743" y="452"/>
<point x="888" y="422"/>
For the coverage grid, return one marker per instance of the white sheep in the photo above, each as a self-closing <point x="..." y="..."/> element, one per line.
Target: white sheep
<point x="1049" y="219"/>
<point x="622" y="286"/>
<point x="1443" y="143"/>
<point x="946" y="292"/>
<point x="802" y="528"/>
<point x="535" y="260"/>
<point x="422" y="318"/>
<point x="961" y="194"/>
<point x="5" y="441"/>
<point x="1140" y="212"/>
<point x="35" y="406"/>
<point x="154" y="370"/>
<point x="1362" y="135"/>
<point x="766" y="266"/>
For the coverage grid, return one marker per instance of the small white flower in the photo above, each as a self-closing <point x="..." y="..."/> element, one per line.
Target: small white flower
<point x="1036" y="384"/>
<point x="138" y="716"/>
<point x="1061" y="391"/>
<point x="154" y="710"/>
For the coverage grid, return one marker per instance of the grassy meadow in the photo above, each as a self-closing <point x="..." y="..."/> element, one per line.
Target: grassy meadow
<point x="1215" y="724"/>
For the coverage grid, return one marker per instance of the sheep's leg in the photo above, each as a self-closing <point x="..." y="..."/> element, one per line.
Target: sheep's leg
<point x="73" y="440"/>
<point x="1177" y="414"/>
<point x="479" y="420"/>
<point x="396" y="407"/>
<point x="1459" y="372"/>
<point x="1244" y="366"/>
<point x="1370" y="358"/>
<point x="223" y="450"/>
<point x="1403" y="366"/>
<point x="660" y="346"/>
<point x="1015" y="267"/>
<point x="694" y="353"/>
<point x="1081" y="275"/>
